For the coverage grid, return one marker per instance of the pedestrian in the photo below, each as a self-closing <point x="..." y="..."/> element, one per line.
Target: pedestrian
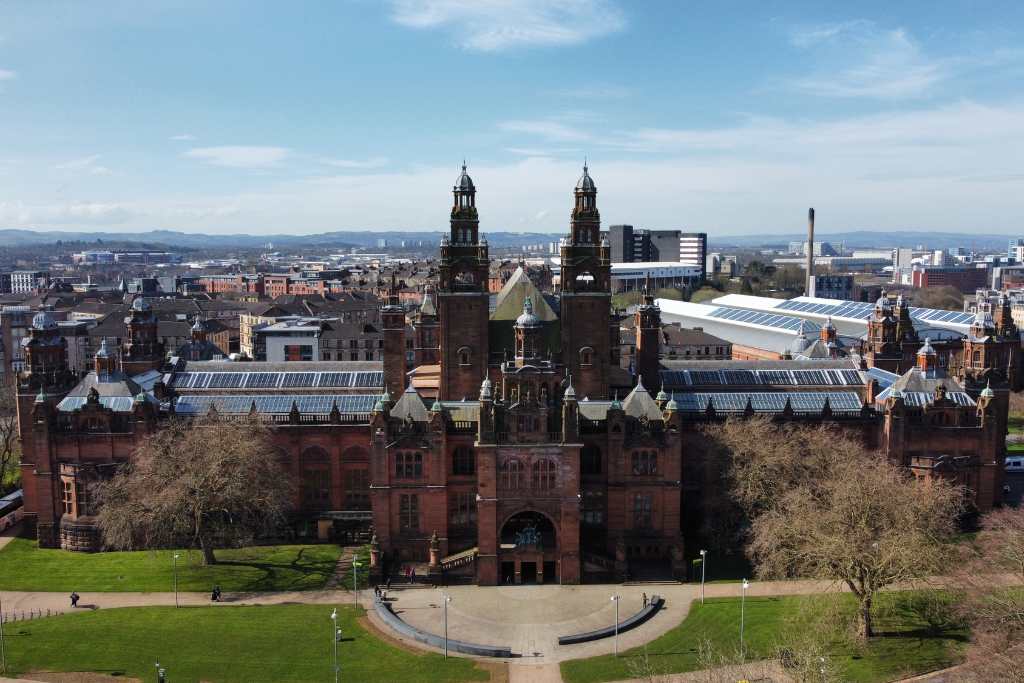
<point x="645" y="600"/>
<point x="74" y="599"/>
<point x="387" y="586"/>
<point x="412" y="575"/>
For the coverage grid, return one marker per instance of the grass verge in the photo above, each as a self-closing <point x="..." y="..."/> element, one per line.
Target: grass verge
<point x="907" y="644"/>
<point x="271" y="644"/>
<point x="26" y="567"/>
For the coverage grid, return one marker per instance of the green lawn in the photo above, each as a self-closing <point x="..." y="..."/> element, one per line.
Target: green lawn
<point x="269" y="644"/>
<point x="1015" y="423"/>
<point x="907" y="647"/>
<point x="26" y="567"/>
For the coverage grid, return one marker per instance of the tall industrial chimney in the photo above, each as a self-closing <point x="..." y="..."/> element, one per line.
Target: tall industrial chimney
<point x="809" y="289"/>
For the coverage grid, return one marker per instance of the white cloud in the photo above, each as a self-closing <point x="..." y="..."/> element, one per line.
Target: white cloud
<point x="953" y="168"/>
<point x="860" y="59"/>
<point x="183" y="137"/>
<point x="372" y="162"/>
<point x="548" y="129"/>
<point x="493" y="25"/>
<point x="240" y="156"/>
<point x="7" y="75"/>
<point x="87" y="164"/>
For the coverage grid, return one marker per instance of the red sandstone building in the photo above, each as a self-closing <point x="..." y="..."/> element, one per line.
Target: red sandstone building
<point x="512" y="448"/>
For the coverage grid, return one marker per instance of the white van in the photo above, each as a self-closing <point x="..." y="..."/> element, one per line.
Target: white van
<point x="1014" y="463"/>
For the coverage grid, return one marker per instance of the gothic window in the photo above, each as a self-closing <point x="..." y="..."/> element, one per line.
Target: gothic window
<point x="645" y="462"/>
<point x="316" y="479"/>
<point x="642" y="511"/>
<point x="586" y="356"/>
<point x="511" y="474"/>
<point x="409" y="512"/>
<point x="464" y="355"/>
<point x="357" y="489"/>
<point x="590" y="460"/>
<point x="409" y="465"/>
<point x="543" y="475"/>
<point x="463" y="461"/>
<point x="462" y="511"/>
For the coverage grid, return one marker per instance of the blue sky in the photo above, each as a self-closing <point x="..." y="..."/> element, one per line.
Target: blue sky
<point x="301" y="117"/>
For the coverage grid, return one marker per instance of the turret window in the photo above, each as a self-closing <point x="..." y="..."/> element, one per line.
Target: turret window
<point x="465" y="356"/>
<point x="543" y="475"/>
<point x="409" y="465"/>
<point x="586" y="356"/>
<point x="645" y="462"/>
<point x="511" y="474"/>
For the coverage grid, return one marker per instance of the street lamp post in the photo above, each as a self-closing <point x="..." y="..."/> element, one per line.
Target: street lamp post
<point x="703" y="569"/>
<point x="615" y="599"/>
<point x="335" y="636"/>
<point x="174" y="561"/>
<point x="355" y="577"/>
<point x="743" y="604"/>
<point x="161" y="674"/>
<point x="447" y="599"/>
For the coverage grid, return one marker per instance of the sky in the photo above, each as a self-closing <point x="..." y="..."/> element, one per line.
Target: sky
<point x="729" y="117"/>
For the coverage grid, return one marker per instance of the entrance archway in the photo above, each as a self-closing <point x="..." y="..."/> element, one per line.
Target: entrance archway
<point x="529" y="549"/>
<point x="529" y="529"/>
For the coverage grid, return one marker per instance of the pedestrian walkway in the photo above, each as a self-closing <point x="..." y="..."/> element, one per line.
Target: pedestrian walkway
<point x="342" y="568"/>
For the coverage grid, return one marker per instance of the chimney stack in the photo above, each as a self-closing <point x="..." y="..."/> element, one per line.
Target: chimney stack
<point x="809" y="289"/>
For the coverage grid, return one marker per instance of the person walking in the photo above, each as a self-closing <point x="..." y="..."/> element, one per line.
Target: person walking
<point x="74" y="599"/>
<point x="645" y="600"/>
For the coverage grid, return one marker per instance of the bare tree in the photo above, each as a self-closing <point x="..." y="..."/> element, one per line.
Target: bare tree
<point x="992" y="602"/>
<point x="10" y="446"/>
<point x="822" y="506"/>
<point x="204" y="484"/>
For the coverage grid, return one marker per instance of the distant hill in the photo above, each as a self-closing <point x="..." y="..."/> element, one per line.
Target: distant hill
<point x="336" y="240"/>
<point x="344" y="239"/>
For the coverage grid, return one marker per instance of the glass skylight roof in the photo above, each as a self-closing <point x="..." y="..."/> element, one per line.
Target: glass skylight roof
<point x="278" y="380"/>
<point x="697" y="378"/>
<point x="306" y="403"/>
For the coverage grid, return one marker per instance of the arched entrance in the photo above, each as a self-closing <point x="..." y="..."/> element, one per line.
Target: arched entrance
<point x="529" y="549"/>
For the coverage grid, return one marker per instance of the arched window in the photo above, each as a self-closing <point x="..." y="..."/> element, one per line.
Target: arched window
<point x="463" y="461"/>
<point x="543" y="475"/>
<point x="511" y="474"/>
<point x="590" y="460"/>
<point x="464" y="355"/>
<point x="586" y="356"/>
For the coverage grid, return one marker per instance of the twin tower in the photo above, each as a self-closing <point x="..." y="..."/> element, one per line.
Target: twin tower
<point x="586" y="329"/>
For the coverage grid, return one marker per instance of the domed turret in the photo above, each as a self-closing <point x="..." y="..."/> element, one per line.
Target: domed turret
<point x="801" y="342"/>
<point x="43" y="321"/>
<point x="528" y="318"/>
<point x="586" y="183"/>
<point x="464" y="183"/>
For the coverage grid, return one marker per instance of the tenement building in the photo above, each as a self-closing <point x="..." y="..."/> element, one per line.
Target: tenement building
<point x="504" y="441"/>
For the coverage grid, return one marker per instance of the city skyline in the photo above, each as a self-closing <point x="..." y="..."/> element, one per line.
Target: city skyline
<point x="236" y="118"/>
